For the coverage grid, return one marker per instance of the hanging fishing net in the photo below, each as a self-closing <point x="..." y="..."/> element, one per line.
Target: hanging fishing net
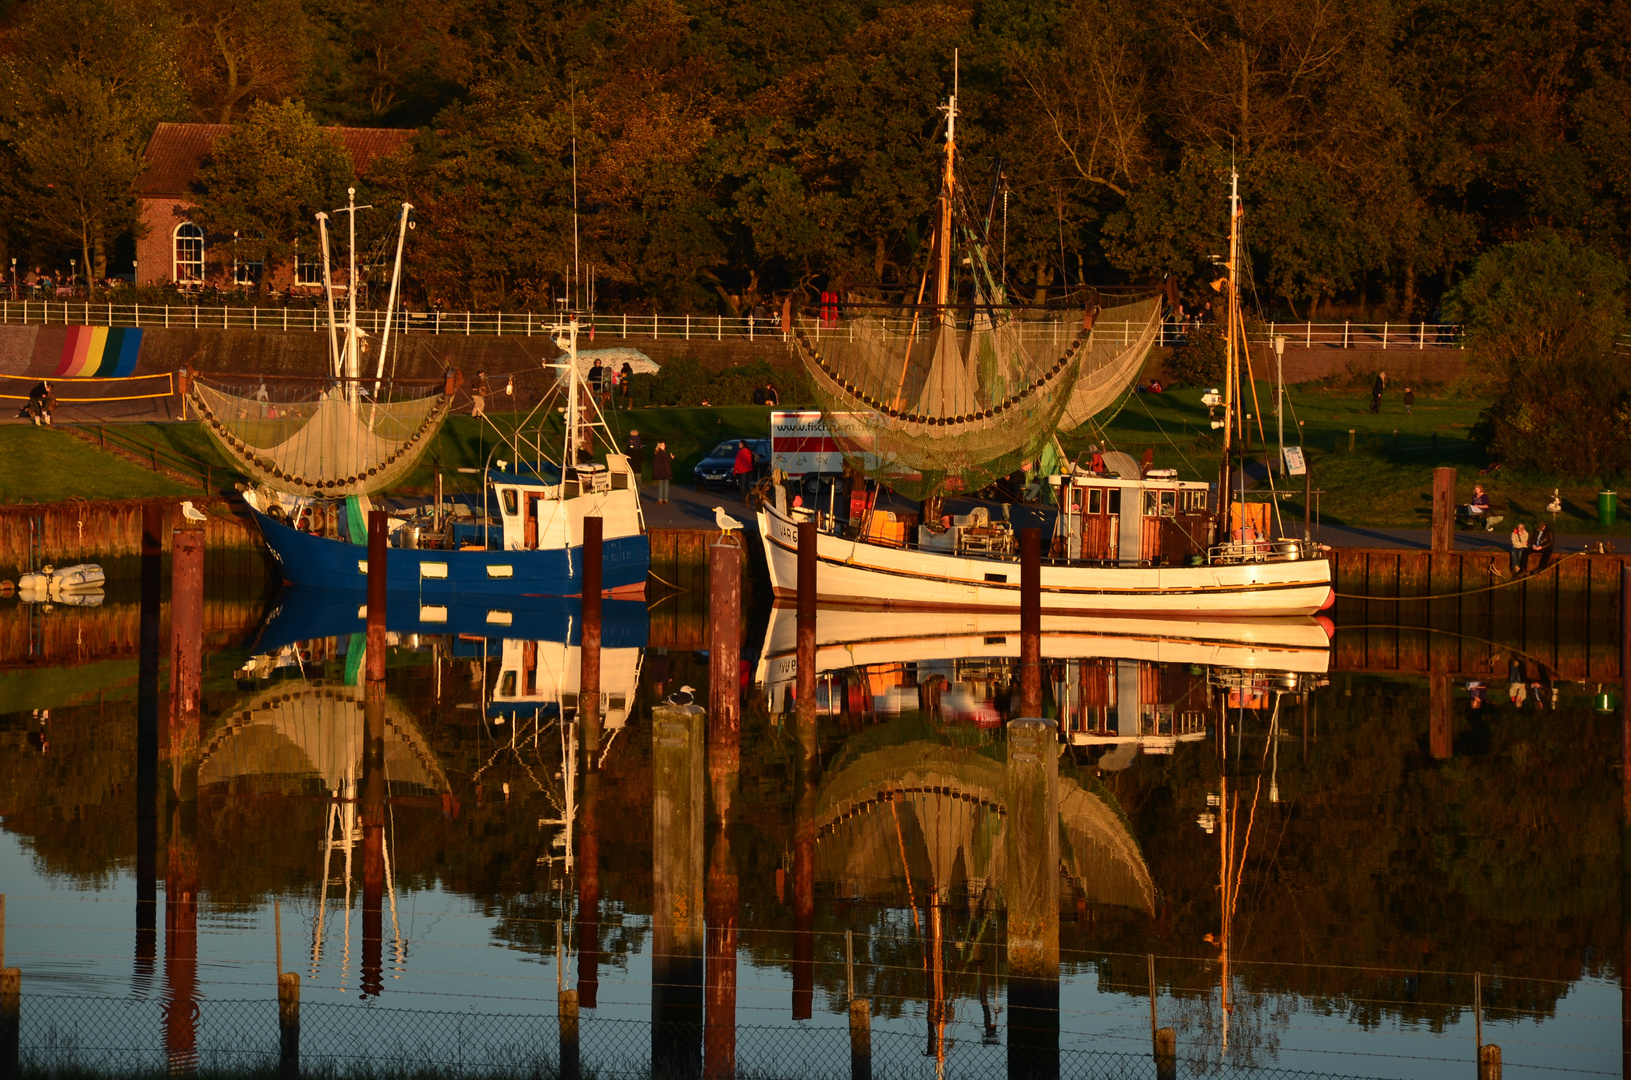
<point x="930" y="409"/>
<point x="314" y="437"/>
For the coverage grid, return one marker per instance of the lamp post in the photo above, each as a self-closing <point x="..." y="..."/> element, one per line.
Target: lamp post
<point x="1280" y="389"/>
<point x="73" y="274"/>
<point x="135" y="273"/>
<point x="14" y="277"/>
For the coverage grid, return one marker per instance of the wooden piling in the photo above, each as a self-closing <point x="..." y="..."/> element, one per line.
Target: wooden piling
<point x="860" y="1039"/>
<point x="804" y="810"/>
<point x="679" y="795"/>
<point x="1489" y="1062"/>
<point x="378" y="546"/>
<point x="1032" y="840"/>
<point x="1166" y="1054"/>
<point x="1443" y="509"/>
<point x="186" y="659"/>
<point x="724" y="672"/>
<point x="719" y="1033"/>
<point x="288" y="1023"/>
<point x="567" y="1010"/>
<point x="589" y="710"/>
<point x="147" y="742"/>
<point x="373" y="765"/>
<point x="1030" y="622"/>
<point x="1625" y="816"/>
<point x="11" y="1012"/>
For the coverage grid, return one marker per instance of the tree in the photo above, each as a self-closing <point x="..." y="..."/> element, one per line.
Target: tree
<point x="1541" y="321"/>
<point x="82" y="89"/>
<point x="238" y="52"/>
<point x="266" y="180"/>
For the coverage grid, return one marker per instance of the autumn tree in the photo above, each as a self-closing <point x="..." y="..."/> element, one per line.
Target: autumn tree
<point x="266" y="180"/>
<point x="81" y="89"/>
<point x="239" y="52"/>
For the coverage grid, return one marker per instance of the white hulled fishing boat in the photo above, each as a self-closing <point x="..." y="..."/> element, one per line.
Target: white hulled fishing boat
<point x="970" y="388"/>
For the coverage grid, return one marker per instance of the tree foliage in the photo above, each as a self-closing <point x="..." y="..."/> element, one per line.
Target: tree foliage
<point x="729" y="151"/>
<point x="1542" y="316"/>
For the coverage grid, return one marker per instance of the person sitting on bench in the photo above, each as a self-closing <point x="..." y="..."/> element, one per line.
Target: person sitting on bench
<point x="1480" y="503"/>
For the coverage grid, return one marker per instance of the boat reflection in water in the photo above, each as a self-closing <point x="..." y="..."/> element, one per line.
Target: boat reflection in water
<point x="953" y="806"/>
<point x="293" y="727"/>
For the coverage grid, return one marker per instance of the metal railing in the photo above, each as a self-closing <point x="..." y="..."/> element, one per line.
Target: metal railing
<point x="1300" y="335"/>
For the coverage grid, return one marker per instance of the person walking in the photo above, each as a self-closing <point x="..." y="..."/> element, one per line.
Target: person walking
<point x="1541" y="545"/>
<point x="662" y="470"/>
<point x="1409" y="399"/>
<point x="625" y="383"/>
<point x="1520" y="548"/>
<point x="637" y="453"/>
<point x="1376" y="391"/>
<point x="742" y="469"/>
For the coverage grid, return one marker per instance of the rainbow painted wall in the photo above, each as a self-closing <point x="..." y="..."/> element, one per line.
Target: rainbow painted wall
<point x="99" y="352"/>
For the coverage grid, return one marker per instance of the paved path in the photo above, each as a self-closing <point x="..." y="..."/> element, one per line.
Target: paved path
<point x="1422" y="539"/>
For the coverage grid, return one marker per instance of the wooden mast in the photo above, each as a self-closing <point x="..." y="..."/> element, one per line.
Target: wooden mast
<point x="947" y="188"/>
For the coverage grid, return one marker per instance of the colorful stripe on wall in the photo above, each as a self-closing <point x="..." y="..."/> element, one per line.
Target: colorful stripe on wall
<point x="99" y="352"/>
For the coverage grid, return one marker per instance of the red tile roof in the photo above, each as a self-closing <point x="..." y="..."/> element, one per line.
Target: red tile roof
<point x="176" y="150"/>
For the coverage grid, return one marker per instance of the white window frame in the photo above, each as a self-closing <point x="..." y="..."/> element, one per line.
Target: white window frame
<point x="187" y="271"/>
<point x="307" y="272"/>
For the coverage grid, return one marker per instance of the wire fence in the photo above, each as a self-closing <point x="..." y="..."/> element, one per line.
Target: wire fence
<point x="86" y="1036"/>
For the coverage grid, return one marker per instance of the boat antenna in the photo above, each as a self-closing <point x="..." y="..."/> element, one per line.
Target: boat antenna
<point x="390" y="304"/>
<point x="575" y="274"/>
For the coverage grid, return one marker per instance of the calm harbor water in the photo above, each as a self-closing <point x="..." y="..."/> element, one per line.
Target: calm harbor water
<point x="1409" y="856"/>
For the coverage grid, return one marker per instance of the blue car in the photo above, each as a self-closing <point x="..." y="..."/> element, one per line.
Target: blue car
<point x="716" y="467"/>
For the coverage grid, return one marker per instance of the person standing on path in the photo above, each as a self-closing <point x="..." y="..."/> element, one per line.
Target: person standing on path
<point x="1541" y="545"/>
<point x="662" y="470"/>
<point x="625" y="383"/>
<point x="637" y="453"/>
<point x="1409" y="400"/>
<point x="1376" y="391"/>
<point x="742" y="470"/>
<point x="1520" y="548"/>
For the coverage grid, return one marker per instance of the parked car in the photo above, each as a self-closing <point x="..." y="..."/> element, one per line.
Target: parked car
<point x="716" y="467"/>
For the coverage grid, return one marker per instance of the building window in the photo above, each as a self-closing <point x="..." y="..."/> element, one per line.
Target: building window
<point x="189" y="254"/>
<point x="307" y="270"/>
<point x="246" y="273"/>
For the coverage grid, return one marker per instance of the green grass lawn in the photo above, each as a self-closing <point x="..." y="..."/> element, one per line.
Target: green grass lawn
<point x="1385" y="481"/>
<point x="45" y="465"/>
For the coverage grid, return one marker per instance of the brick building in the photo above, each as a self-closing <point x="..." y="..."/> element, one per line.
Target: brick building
<point x="175" y="249"/>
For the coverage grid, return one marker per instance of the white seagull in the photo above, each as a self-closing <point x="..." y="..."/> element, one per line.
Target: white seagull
<point x="191" y="512"/>
<point x="685" y="695"/>
<point x="726" y="523"/>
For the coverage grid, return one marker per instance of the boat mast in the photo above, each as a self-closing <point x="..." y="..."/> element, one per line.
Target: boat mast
<point x="328" y="291"/>
<point x="1234" y="308"/>
<point x="947" y="188"/>
<point x="390" y="305"/>
<point x="569" y="458"/>
<point x="351" y="365"/>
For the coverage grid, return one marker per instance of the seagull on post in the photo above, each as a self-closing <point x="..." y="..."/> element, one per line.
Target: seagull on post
<point x="191" y="512"/>
<point x="726" y="523"/>
<point x="685" y="695"/>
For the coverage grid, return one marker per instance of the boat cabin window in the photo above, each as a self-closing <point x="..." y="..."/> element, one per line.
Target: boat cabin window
<point x="1160" y="503"/>
<point x="511" y="502"/>
<point x="1195" y="501"/>
<point x="506" y="686"/>
<point x="1095" y="501"/>
<point x="1115" y="501"/>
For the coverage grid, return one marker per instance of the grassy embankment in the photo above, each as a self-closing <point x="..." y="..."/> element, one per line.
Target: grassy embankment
<point x="1384" y="482"/>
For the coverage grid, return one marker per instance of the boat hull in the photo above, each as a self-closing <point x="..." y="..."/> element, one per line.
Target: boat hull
<point x="860" y="574"/>
<point x="321" y="562"/>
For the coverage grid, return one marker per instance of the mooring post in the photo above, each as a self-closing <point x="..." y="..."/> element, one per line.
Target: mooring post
<point x="805" y="677"/>
<point x="147" y="744"/>
<point x="589" y="711"/>
<point x="1443" y="509"/>
<point x="11" y="1012"/>
<point x="589" y="890"/>
<point x="1166" y="1054"/>
<point x="1030" y="622"/>
<point x="1033" y="899"/>
<point x="1489" y="1062"/>
<point x="679" y="797"/>
<point x="288" y="1024"/>
<point x="719" y="1032"/>
<point x="1625" y="816"/>
<point x="567" y="1008"/>
<point x="724" y="672"/>
<point x="860" y="1039"/>
<point x="186" y="658"/>
<point x="804" y="810"/>
<point x="373" y="764"/>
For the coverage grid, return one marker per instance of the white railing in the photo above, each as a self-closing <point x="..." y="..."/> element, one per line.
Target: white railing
<point x="1302" y="335"/>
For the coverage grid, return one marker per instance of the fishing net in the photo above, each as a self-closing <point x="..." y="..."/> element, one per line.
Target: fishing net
<point x="1122" y="338"/>
<point x="930" y="409"/>
<point x="312" y="438"/>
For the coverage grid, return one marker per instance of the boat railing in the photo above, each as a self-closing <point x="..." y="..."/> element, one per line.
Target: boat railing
<point x="1284" y="549"/>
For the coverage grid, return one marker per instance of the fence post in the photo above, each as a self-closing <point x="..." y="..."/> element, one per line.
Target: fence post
<point x="285" y="320"/>
<point x="288" y="1025"/>
<point x="11" y="1006"/>
<point x="1308" y="336"/>
<point x="1384" y="337"/>
<point x="1345" y="325"/>
<point x="1422" y="344"/>
<point x="719" y="328"/>
<point x="467" y="324"/>
<point x="167" y="316"/>
<point x="568" y="1011"/>
<point x="625" y="324"/>
<point x="860" y="1039"/>
<point x="1489" y="1062"/>
<point x="254" y="318"/>
<point x="687" y="327"/>
<point x="1350" y="440"/>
